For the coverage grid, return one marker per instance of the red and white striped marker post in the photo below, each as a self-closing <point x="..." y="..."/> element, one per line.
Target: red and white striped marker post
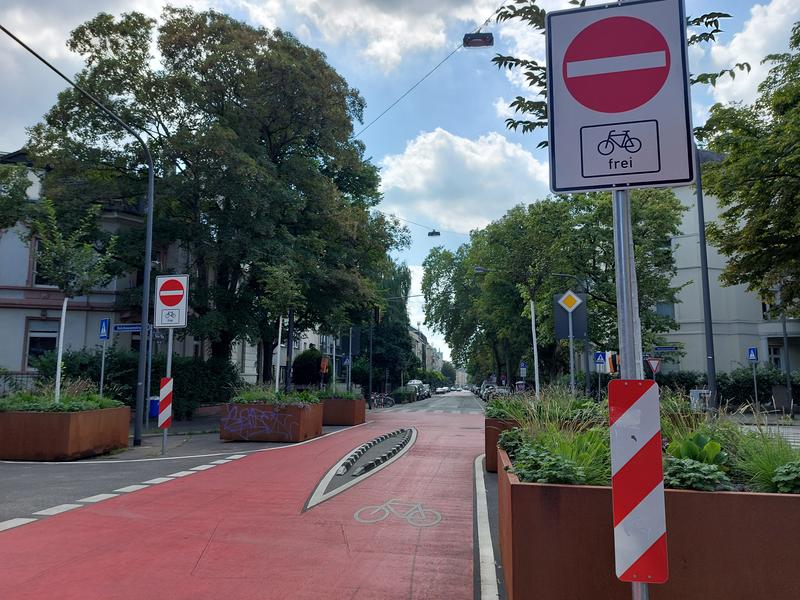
<point x="637" y="482"/>
<point x="165" y="409"/>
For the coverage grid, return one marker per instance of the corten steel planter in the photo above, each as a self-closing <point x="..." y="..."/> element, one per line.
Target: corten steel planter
<point x="270" y="423"/>
<point x="556" y="541"/>
<point x="492" y="429"/>
<point x="63" y="435"/>
<point x="343" y="411"/>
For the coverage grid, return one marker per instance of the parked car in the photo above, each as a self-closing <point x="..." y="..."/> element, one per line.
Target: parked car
<point x="498" y="391"/>
<point x="426" y="390"/>
<point x="442" y="390"/>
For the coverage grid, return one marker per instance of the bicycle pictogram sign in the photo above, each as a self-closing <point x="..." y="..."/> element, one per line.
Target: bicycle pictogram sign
<point x="412" y="512"/>
<point x="622" y="140"/>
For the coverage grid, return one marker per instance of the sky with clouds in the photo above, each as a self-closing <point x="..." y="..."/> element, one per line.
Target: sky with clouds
<point x="447" y="160"/>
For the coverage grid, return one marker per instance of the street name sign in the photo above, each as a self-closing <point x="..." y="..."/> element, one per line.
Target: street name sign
<point x="618" y="96"/>
<point x="105" y="328"/>
<point x="127" y="327"/>
<point x="752" y="354"/>
<point x="172" y="301"/>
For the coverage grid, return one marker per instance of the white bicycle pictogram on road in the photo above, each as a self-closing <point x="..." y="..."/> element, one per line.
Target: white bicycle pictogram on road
<point x="412" y="512"/>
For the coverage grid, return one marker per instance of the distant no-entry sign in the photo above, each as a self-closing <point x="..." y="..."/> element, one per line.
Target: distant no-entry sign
<point x="618" y="96"/>
<point x="172" y="301"/>
<point x="616" y="64"/>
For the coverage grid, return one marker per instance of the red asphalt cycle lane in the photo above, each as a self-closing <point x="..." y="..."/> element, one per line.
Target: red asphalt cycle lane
<point x="237" y="531"/>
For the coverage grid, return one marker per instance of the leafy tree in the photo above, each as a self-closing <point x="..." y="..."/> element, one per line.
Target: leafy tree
<point x="262" y="193"/>
<point x="305" y="368"/>
<point x="757" y="183"/>
<point x="485" y="317"/>
<point x="449" y="372"/>
<point x="13" y="185"/>
<point x="68" y="260"/>
<point x="533" y="111"/>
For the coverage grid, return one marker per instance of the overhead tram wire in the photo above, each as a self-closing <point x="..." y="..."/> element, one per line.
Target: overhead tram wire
<point x="406" y="93"/>
<point x="424" y="77"/>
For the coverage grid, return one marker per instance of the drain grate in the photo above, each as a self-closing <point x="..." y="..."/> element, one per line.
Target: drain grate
<point x="362" y="462"/>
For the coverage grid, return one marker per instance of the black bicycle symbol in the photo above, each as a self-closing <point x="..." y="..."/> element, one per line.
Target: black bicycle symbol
<point x="619" y="140"/>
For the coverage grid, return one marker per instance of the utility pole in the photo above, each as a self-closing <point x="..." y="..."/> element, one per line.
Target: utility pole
<point x="289" y="348"/>
<point x="711" y="368"/>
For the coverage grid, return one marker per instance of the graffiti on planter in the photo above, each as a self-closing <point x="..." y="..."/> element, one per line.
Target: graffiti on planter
<point x="248" y="422"/>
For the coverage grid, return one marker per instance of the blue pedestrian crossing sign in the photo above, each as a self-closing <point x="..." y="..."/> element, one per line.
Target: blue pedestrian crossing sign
<point x="752" y="354"/>
<point x="105" y="327"/>
<point x="523" y="364"/>
<point x="599" y="358"/>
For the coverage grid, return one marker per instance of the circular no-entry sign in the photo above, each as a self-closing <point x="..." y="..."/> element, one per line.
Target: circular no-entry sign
<point x="617" y="64"/>
<point x="171" y="292"/>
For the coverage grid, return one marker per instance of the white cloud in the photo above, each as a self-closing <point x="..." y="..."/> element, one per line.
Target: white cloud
<point x="458" y="183"/>
<point x="767" y="31"/>
<point x="502" y="109"/>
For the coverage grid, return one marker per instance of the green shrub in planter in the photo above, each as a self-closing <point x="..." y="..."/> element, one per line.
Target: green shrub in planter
<point x="699" y="447"/>
<point x="513" y="440"/>
<point x="787" y="478"/>
<point x="267" y="395"/>
<point x="76" y="396"/>
<point x="537" y="465"/>
<point x="343" y="394"/>
<point x="689" y="474"/>
<point x="512" y="408"/>
<point x="305" y="368"/>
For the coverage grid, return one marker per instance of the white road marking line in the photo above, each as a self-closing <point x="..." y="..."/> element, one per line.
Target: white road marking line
<point x="236" y="456"/>
<point x="182" y="474"/>
<point x="202" y="468"/>
<point x="617" y="64"/>
<point x="485" y="549"/>
<point x="221" y="461"/>
<point x="98" y="497"/>
<point x="157" y="480"/>
<point x="132" y="488"/>
<point x="11" y="523"/>
<point x="55" y="510"/>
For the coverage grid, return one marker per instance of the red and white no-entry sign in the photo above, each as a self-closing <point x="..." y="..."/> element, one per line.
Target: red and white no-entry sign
<point x="618" y="96"/>
<point x="172" y="301"/>
<point x="171" y="292"/>
<point x="637" y="482"/>
<point x="616" y="64"/>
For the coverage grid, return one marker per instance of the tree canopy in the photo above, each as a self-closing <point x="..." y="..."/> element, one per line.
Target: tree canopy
<point x="478" y="296"/>
<point x="261" y="193"/>
<point x="757" y="183"/>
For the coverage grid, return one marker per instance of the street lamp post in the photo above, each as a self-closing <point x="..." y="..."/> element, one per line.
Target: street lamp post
<point x="145" y="320"/>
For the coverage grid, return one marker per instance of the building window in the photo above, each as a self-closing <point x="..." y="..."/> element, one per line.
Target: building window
<point x="38" y="279"/>
<point x="665" y="309"/>
<point x="42" y="338"/>
<point x="776" y="356"/>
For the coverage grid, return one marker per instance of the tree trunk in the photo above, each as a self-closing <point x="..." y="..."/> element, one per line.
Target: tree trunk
<point x="507" y="352"/>
<point x="496" y="357"/>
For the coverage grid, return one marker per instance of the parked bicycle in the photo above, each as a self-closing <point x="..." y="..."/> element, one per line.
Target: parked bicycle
<point x="622" y="140"/>
<point x="382" y="400"/>
<point x="412" y="512"/>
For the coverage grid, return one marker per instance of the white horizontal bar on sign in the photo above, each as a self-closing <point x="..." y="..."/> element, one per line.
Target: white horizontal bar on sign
<point x="617" y="64"/>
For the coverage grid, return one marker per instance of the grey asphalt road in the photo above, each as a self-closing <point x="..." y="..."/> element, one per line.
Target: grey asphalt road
<point x="452" y="402"/>
<point x="29" y="487"/>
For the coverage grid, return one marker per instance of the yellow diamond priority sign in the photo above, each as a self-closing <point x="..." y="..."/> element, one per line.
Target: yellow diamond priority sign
<point x="569" y="301"/>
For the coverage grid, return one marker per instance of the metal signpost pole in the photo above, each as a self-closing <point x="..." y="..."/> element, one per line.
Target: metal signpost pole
<point x="350" y="362"/>
<point x="571" y="358"/>
<point x="169" y="376"/>
<point x="535" y="348"/>
<point x="369" y="389"/>
<point x="103" y="368"/>
<point x="149" y="379"/>
<point x="278" y="357"/>
<point x="333" y="366"/>
<point x="630" y="341"/>
<point x="755" y="383"/>
<point x="289" y="347"/>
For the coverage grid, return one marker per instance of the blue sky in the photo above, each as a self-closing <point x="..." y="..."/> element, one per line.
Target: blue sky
<point x="446" y="157"/>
